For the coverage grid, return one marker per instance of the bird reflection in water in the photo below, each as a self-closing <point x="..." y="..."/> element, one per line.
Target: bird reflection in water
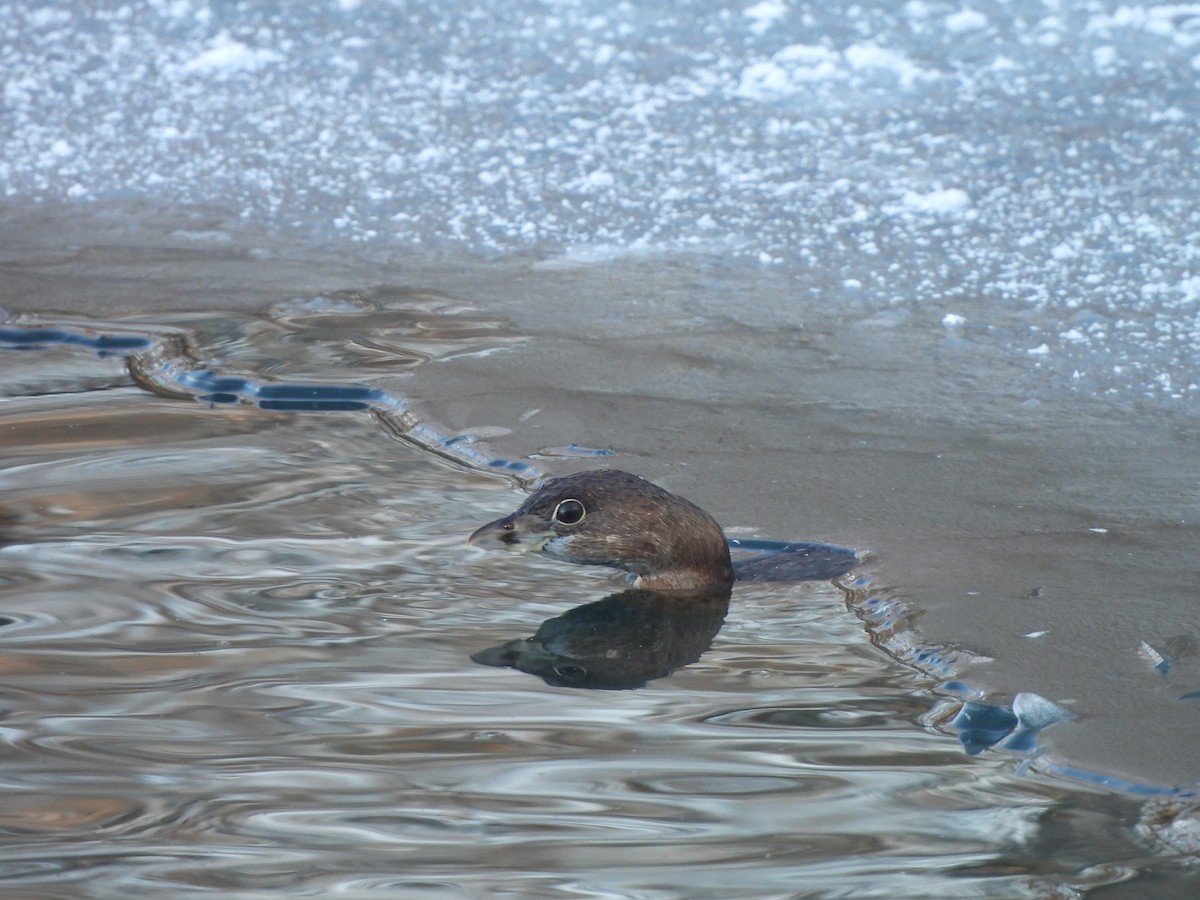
<point x="678" y="560"/>
<point x="620" y="642"/>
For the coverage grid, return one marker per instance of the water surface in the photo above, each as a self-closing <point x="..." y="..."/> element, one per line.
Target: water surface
<point x="919" y="279"/>
<point x="238" y="655"/>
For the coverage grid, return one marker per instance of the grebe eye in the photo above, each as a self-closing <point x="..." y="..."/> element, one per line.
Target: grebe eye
<point x="571" y="673"/>
<point x="569" y="512"/>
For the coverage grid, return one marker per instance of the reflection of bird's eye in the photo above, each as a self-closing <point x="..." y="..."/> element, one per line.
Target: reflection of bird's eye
<point x="571" y="673"/>
<point x="569" y="512"/>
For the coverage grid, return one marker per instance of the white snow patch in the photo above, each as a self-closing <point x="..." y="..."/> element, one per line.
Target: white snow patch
<point x="227" y="56"/>
<point x="597" y="181"/>
<point x="792" y="69"/>
<point x="165" y="133"/>
<point x="47" y="18"/>
<point x="1191" y="289"/>
<point x="1172" y="113"/>
<point x="1174" y="21"/>
<point x="1104" y="58"/>
<point x="178" y="9"/>
<point x="953" y="320"/>
<point x="808" y="56"/>
<point x="603" y="55"/>
<point x="430" y="154"/>
<point x="951" y="200"/>
<point x="1041" y="350"/>
<point x="867" y="55"/>
<point x="587" y="255"/>
<point x="788" y="71"/>
<point x="965" y="20"/>
<point x="1035" y="711"/>
<point x="765" y="14"/>
<point x="209" y="236"/>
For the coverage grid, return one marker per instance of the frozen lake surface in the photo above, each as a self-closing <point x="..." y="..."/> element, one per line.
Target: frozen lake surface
<point x="1021" y="170"/>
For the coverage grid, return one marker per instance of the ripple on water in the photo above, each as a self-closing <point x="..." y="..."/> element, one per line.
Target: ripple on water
<point x="858" y="713"/>
<point x="238" y="658"/>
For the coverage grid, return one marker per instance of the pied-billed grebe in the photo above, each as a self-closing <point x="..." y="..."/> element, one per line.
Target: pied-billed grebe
<point x="606" y="517"/>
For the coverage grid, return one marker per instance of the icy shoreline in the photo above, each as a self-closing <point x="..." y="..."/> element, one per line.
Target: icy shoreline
<point x="990" y="162"/>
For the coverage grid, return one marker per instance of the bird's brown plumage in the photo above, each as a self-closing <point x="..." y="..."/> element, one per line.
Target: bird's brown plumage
<point x="628" y="523"/>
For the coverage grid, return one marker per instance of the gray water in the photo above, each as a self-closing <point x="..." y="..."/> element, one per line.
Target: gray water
<point x="238" y="653"/>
